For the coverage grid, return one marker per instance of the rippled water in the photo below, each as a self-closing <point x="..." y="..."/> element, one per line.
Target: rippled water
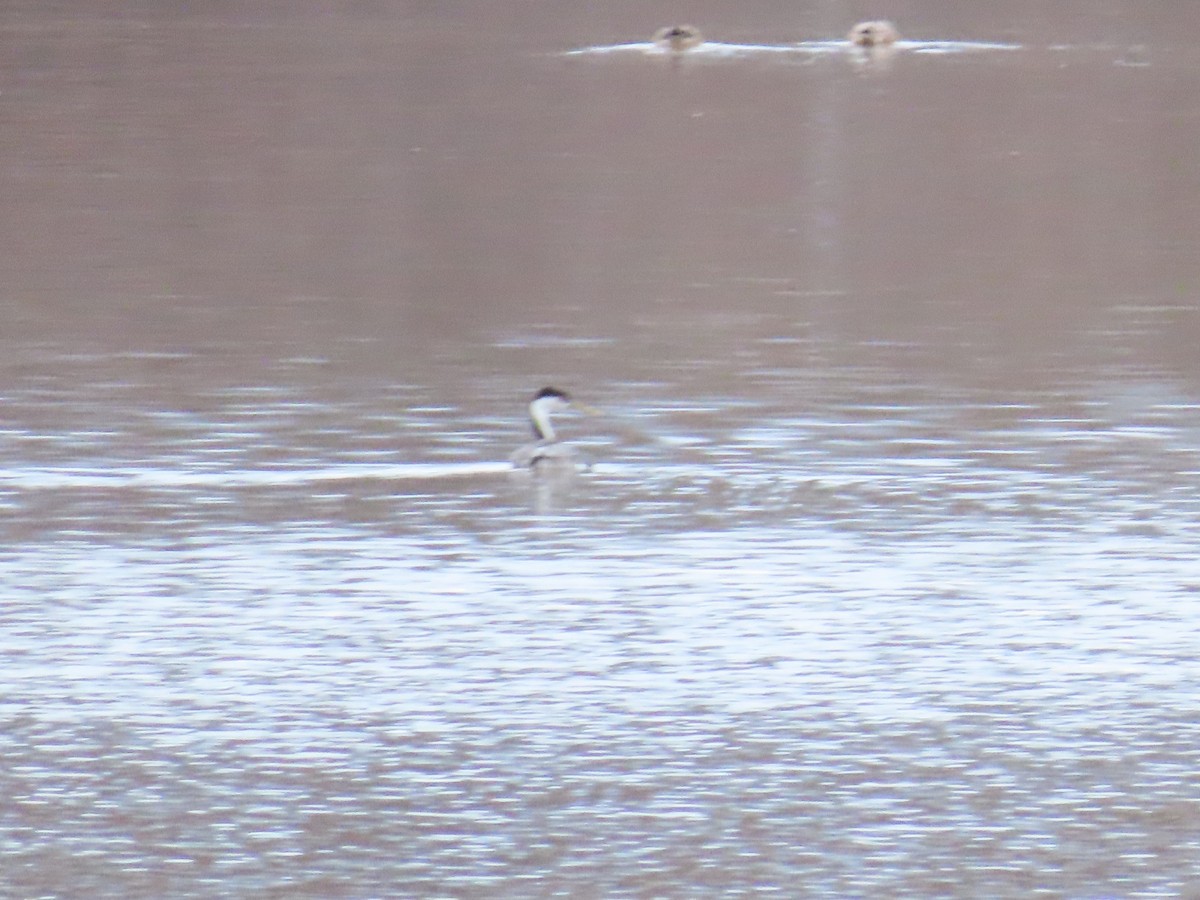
<point x="721" y="49"/>
<point x="882" y="581"/>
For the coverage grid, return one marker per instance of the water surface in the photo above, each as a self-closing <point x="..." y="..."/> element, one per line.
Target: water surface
<point x="883" y="581"/>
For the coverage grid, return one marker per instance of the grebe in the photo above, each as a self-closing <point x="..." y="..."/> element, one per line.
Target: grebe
<point x="873" y="34"/>
<point x="678" y="38"/>
<point x="547" y="450"/>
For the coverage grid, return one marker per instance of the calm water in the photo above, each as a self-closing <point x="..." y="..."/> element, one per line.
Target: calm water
<point x="884" y="581"/>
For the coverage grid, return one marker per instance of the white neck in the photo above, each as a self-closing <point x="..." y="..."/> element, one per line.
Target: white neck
<point x="539" y="414"/>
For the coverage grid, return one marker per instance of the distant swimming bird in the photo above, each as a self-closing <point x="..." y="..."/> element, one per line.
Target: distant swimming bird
<point x="547" y="450"/>
<point x="678" y="38"/>
<point x="873" y="34"/>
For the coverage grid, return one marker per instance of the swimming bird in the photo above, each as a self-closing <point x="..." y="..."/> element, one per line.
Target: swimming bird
<point x="873" y="34"/>
<point x="547" y="450"/>
<point x="678" y="38"/>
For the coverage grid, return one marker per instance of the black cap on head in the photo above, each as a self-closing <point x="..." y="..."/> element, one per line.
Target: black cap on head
<point x="552" y="392"/>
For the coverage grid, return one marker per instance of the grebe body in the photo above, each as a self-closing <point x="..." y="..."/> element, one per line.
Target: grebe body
<point x="678" y="38"/>
<point x="876" y="33"/>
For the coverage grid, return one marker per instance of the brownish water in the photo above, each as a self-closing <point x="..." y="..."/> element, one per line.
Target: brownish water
<point x="884" y="582"/>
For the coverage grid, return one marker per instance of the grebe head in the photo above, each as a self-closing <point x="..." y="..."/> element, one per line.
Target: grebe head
<point x="544" y="404"/>
<point x="678" y="38"/>
<point x="873" y="34"/>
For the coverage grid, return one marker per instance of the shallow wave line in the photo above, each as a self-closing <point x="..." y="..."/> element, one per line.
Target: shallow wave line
<point x="74" y="478"/>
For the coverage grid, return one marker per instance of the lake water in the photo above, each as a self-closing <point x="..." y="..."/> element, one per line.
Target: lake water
<point x="884" y="578"/>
